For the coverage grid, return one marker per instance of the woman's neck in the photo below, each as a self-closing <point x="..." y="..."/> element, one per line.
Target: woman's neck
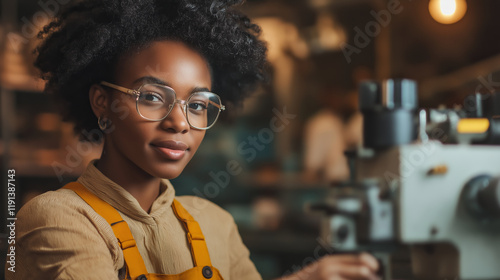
<point x="141" y="185"/>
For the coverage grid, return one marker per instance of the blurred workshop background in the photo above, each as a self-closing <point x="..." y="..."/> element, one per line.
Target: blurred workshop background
<point x="285" y="147"/>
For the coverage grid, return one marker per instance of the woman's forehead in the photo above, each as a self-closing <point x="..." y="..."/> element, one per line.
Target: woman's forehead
<point x="167" y="62"/>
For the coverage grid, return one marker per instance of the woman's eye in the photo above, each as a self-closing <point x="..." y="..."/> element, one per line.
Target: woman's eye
<point x="152" y="97"/>
<point x="197" y="106"/>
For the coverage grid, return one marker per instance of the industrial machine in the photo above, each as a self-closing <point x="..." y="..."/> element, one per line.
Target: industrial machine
<point x="429" y="179"/>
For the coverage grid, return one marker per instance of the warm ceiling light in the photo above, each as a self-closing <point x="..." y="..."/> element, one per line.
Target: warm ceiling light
<point x="447" y="11"/>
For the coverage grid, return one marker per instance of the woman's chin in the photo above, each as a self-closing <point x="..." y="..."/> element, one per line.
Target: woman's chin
<point x="169" y="174"/>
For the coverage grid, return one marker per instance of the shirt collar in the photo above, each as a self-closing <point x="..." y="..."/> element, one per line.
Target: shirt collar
<point x="122" y="200"/>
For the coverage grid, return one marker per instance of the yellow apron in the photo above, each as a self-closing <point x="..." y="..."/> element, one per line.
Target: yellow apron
<point x="135" y="265"/>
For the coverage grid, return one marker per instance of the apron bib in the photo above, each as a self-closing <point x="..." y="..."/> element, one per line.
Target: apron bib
<point x="135" y="266"/>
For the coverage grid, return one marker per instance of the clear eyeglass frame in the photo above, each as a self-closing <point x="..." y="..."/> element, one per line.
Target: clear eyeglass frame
<point x="184" y="103"/>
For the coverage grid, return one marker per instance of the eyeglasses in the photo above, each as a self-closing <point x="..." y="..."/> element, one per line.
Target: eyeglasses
<point x="154" y="102"/>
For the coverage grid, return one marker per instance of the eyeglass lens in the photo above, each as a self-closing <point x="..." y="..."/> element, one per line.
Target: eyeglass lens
<point x="155" y="102"/>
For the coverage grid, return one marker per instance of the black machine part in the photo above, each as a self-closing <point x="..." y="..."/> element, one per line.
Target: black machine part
<point x="389" y="113"/>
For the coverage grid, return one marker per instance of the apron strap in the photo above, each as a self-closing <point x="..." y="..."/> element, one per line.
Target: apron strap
<point x="195" y="236"/>
<point x="133" y="259"/>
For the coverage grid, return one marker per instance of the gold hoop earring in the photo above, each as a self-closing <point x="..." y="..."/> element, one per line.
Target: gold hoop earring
<point x="103" y="123"/>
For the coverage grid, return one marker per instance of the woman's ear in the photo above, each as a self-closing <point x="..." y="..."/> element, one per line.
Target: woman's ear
<point x="99" y="100"/>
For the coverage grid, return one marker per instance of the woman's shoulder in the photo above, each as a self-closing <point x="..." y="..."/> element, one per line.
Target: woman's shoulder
<point x="59" y="227"/>
<point x="52" y="200"/>
<point x="52" y="207"/>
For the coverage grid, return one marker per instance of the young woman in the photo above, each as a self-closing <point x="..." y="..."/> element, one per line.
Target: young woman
<point x="147" y="77"/>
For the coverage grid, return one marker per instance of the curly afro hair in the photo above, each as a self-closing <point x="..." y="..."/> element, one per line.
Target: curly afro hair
<point x="82" y="44"/>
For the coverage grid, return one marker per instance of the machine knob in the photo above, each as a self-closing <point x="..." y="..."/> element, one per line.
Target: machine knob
<point x="489" y="197"/>
<point x="482" y="196"/>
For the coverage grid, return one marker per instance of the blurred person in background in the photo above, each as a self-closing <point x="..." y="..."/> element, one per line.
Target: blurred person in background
<point x="324" y="139"/>
<point x="334" y="129"/>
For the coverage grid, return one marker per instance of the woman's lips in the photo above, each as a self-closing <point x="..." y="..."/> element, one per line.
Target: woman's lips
<point x="170" y="149"/>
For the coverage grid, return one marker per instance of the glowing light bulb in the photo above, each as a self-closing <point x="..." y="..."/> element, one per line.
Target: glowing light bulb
<point x="448" y="7"/>
<point x="447" y="11"/>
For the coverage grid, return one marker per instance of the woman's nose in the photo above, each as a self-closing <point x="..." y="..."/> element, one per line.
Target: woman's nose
<point x="176" y="121"/>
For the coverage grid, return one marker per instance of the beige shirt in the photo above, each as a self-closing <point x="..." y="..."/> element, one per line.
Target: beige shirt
<point x="59" y="236"/>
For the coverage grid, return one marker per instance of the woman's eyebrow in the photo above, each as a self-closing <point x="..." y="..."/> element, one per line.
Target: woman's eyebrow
<point x="154" y="80"/>
<point x="151" y="80"/>
<point x="199" y="89"/>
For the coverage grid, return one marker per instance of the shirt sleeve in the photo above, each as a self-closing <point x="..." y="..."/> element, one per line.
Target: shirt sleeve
<point x="57" y="240"/>
<point x="242" y="268"/>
